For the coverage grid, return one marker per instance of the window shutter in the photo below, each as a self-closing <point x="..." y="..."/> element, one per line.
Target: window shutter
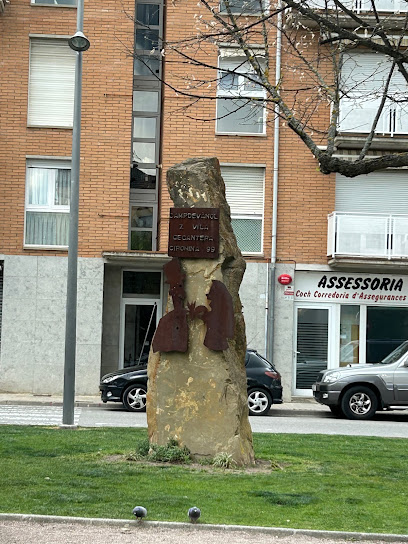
<point x="244" y="186"/>
<point x="52" y="83"/>
<point x="378" y="192"/>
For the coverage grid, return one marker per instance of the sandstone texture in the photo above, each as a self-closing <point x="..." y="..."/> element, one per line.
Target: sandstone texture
<point x="199" y="397"/>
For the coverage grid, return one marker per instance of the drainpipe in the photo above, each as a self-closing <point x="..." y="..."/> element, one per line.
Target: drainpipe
<point x="270" y="318"/>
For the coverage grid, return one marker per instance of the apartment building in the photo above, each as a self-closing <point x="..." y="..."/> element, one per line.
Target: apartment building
<point x="340" y="243"/>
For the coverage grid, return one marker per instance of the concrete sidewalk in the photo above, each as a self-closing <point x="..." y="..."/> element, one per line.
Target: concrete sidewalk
<point x="297" y="404"/>
<point x="20" y="528"/>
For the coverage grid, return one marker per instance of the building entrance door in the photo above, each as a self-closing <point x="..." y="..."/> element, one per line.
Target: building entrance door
<point x="312" y="346"/>
<point x="138" y="324"/>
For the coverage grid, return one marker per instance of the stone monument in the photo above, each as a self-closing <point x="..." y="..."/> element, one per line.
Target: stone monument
<point x="197" y="381"/>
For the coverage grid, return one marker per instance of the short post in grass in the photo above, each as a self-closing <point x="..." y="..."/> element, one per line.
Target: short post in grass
<point x="197" y="384"/>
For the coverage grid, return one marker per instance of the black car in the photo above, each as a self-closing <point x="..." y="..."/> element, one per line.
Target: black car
<point x="129" y="386"/>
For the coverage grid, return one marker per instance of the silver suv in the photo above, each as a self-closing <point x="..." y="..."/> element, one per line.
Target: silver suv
<point x="358" y="391"/>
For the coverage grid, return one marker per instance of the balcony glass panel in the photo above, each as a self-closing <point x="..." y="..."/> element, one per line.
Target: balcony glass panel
<point x="362" y="235"/>
<point x="357" y="115"/>
<point x="400" y="237"/>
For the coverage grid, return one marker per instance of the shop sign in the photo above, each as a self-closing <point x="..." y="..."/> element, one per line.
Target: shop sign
<point x="289" y="292"/>
<point x="351" y="288"/>
<point x="194" y="233"/>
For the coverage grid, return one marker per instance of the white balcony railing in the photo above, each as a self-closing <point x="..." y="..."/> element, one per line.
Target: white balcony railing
<point x="360" y="6"/>
<point x="367" y="235"/>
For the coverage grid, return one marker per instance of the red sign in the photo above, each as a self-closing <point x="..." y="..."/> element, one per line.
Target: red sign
<point x="194" y="233"/>
<point x="285" y="279"/>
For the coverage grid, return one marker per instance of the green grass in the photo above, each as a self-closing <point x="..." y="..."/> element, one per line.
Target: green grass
<point x="316" y="482"/>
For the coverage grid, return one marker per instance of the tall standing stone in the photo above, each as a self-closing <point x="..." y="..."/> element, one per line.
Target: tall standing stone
<point x="200" y="397"/>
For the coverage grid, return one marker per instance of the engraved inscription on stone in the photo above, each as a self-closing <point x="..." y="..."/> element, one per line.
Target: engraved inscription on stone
<point x="194" y="233"/>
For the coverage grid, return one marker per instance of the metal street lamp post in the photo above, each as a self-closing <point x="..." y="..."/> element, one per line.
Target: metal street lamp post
<point x="78" y="43"/>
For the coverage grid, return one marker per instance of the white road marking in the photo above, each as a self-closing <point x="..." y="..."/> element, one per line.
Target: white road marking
<point x="33" y="415"/>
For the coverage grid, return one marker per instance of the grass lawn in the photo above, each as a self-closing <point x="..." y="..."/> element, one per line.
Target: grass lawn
<point x="315" y="482"/>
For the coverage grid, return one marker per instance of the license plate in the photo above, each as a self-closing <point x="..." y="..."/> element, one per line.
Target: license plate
<point x="314" y="387"/>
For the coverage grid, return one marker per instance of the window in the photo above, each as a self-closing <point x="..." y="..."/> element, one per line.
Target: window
<point x="51" y="83"/>
<point x="55" y="2"/>
<point x="142" y="227"/>
<point x="48" y="189"/>
<point x="145" y="126"/>
<point x="363" y="79"/>
<point x="244" y="7"/>
<point x="240" y="108"/>
<point x="141" y="283"/>
<point x="244" y="186"/>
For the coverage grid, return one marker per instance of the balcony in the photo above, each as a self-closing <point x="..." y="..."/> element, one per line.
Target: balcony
<point x="363" y="6"/>
<point x="358" y="115"/>
<point x="392" y="13"/>
<point x="363" y="237"/>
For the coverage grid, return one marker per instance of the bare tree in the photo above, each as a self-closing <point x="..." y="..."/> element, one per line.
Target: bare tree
<point x="342" y="72"/>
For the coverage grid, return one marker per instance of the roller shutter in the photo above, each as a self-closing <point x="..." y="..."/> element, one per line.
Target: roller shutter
<point x="51" y="84"/>
<point x="378" y="192"/>
<point x="244" y="187"/>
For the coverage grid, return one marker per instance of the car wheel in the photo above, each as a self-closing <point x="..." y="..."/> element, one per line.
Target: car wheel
<point x="259" y="402"/>
<point x="134" y="398"/>
<point x="359" y="403"/>
<point x="336" y="410"/>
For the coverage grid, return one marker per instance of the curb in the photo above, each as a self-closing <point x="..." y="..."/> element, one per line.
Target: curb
<point x="294" y="407"/>
<point x="273" y="531"/>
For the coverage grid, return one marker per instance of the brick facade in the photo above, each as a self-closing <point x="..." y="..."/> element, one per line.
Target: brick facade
<point x="33" y="295"/>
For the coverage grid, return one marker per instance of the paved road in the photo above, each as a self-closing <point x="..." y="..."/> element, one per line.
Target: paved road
<point x="307" y="420"/>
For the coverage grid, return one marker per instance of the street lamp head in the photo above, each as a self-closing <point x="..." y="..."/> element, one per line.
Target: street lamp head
<point x="79" y="42"/>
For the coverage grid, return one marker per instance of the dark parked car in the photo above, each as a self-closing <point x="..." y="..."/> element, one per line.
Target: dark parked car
<point x="358" y="391"/>
<point x="129" y="386"/>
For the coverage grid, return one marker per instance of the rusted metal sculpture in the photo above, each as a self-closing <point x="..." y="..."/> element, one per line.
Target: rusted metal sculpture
<point x="172" y="331"/>
<point x="219" y="320"/>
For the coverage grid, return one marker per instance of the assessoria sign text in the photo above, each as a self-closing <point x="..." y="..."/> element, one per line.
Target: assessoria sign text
<point x="354" y="288"/>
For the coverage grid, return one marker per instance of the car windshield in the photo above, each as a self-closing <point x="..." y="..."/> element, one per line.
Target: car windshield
<point x="396" y="354"/>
